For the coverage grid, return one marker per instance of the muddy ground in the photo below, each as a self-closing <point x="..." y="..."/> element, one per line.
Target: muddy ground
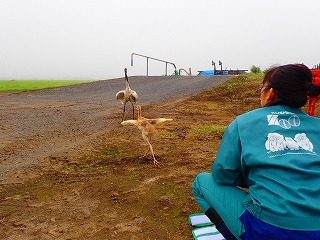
<point x="101" y="188"/>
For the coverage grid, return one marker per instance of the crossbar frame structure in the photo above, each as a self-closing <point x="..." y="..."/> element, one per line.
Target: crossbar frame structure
<point x="156" y="59"/>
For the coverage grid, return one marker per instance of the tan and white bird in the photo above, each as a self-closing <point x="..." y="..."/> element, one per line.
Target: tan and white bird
<point x="127" y="95"/>
<point x="148" y="130"/>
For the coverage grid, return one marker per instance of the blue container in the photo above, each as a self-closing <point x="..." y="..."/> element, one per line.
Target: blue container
<point x="207" y="73"/>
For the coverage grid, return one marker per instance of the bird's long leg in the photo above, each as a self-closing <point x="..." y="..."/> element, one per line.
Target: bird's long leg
<point x="124" y="109"/>
<point x="155" y="162"/>
<point x="132" y="111"/>
<point x="150" y="148"/>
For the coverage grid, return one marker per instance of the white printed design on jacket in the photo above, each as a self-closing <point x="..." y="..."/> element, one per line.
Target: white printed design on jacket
<point x="277" y="142"/>
<point x="294" y="121"/>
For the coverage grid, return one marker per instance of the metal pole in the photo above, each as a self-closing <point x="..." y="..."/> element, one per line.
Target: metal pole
<point x="147" y="65"/>
<point x="166" y="68"/>
<point x="214" y="67"/>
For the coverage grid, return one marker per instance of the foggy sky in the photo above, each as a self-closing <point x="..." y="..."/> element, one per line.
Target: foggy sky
<point x="94" y="39"/>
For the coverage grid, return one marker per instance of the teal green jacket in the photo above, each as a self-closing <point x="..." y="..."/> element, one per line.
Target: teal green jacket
<point x="275" y="152"/>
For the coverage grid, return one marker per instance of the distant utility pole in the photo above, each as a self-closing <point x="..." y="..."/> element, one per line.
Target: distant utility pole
<point x="220" y="63"/>
<point x="214" y="67"/>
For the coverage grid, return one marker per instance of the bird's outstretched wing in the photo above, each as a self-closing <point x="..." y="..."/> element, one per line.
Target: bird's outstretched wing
<point x="159" y="120"/>
<point x="130" y="122"/>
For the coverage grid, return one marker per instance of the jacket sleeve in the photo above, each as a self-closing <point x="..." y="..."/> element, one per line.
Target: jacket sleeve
<point x="226" y="168"/>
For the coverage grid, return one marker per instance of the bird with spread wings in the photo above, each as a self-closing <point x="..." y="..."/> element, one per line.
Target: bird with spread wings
<point x="147" y="129"/>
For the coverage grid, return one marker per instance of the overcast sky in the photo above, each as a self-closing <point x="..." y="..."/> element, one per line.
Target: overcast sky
<point x="94" y="39"/>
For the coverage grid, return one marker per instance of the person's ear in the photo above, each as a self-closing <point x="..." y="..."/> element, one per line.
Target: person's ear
<point x="270" y="94"/>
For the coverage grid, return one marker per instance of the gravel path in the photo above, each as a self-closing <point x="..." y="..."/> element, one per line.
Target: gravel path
<point x="37" y="125"/>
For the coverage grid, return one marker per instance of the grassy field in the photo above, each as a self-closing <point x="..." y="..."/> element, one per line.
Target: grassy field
<point x="24" y="85"/>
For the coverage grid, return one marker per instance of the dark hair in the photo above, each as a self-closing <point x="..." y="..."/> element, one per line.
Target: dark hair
<point x="292" y="83"/>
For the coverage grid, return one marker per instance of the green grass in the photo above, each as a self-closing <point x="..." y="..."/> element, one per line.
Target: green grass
<point x="210" y="129"/>
<point x="27" y="85"/>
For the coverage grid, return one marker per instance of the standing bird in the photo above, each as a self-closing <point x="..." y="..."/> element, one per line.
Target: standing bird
<point x="147" y="129"/>
<point x="127" y="95"/>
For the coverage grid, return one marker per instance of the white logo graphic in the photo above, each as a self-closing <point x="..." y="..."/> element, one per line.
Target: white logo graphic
<point x="304" y="142"/>
<point x="276" y="142"/>
<point x="293" y="121"/>
<point x="273" y="120"/>
<point x="291" y="144"/>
